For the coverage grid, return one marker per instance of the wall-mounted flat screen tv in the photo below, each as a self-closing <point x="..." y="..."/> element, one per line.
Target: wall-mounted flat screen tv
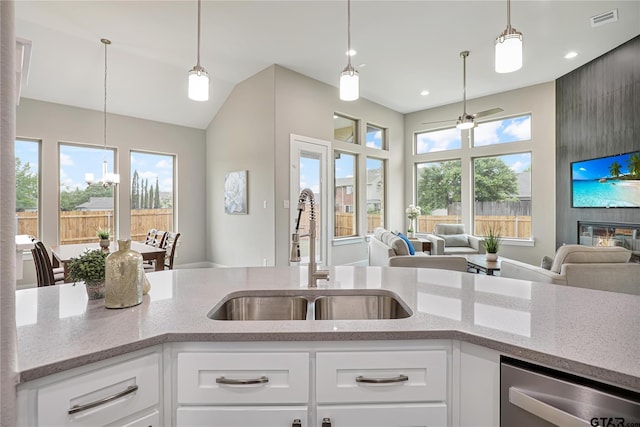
<point x="606" y="182"/>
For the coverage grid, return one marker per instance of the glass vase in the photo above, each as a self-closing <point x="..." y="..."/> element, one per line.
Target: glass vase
<point x="124" y="276"/>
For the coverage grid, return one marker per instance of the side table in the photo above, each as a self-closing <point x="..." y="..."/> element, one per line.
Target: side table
<point x="422" y="245"/>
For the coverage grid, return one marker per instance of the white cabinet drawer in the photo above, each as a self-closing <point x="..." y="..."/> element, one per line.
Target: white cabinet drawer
<point x="404" y="376"/>
<point x="269" y="416"/>
<point x="275" y="378"/>
<point x="107" y="385"/>
<point x="397" y="415"/>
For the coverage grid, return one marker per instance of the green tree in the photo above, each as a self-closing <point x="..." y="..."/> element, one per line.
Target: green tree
<point x="494" y="180"/>
<point x="135" y="190"/>
<point x="70" y="199"/>
<point x="26" y="187"/>
<point x="634" y="165"/>
<point x="439" y="185"/>
<point x="614" y="169"/>
<point x="156" y="200"/>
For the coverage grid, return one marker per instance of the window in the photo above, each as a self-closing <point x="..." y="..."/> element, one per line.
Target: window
<point x="152" y="193"/>
<point x="439" y="193"/>
<point x="375" y="194"/>
<point x="502" y="131"/>
<point x="502" y="195"/>
<point x="27" y="186"/>
<point x="84" y="208"/>
<point x="375" y="137"/>
<point x="345" y="194"/>
<point x="438" y="140"/>
<point x="345" y="129"/>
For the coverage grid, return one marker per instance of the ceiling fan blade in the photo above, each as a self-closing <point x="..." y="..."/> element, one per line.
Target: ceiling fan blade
<point x="439" y="121"/>
<point x="487" y="112"/>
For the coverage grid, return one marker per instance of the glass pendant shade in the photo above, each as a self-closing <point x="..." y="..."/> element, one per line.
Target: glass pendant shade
<point x="349" y="84"/>
<point x="508" y="51"/>
<point x="198" y="84"/>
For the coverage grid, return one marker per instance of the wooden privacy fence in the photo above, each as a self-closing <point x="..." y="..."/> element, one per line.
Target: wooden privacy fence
<point x="509" y="225"/>
<point x="81" y="226"/>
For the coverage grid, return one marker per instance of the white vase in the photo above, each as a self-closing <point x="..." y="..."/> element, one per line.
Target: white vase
<point x="492" y="256"/>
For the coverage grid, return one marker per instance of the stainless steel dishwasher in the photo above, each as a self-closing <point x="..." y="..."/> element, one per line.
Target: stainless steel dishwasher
<point x="536" y="396"/>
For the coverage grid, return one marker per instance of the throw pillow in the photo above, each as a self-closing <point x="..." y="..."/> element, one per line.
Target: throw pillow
<point x="546" y="262"/>
<point x="412" y="250"/>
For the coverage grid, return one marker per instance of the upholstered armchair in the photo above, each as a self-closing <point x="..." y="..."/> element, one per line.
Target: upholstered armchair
<point x="452" y="239"/>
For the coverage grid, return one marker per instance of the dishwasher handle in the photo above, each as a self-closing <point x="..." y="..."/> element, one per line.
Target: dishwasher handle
<point x="543" y="410"/>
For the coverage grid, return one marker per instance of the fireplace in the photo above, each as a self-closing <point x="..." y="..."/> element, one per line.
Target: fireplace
<point x="611" y="234"/>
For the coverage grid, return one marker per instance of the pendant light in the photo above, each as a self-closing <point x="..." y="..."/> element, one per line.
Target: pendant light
<point x="198" y="77"/>
<point x="508" y="47"/>
<point x="349" y="78"/>
<point x="108" y="179"/>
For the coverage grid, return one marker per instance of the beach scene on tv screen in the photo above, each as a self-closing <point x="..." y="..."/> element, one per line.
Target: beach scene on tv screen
<point x="607" y="182"/>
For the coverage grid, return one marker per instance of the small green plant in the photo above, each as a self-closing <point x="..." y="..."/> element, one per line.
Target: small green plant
<point x="492" y="239"/>
<point x="88" y="267"/>
<point x="103" y="234"/>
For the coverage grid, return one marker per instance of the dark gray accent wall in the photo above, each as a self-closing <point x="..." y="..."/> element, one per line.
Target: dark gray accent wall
<point x="597" y="114"/>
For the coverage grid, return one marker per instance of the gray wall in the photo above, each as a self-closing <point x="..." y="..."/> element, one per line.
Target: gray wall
<point x="597" y="111"/>
<point x="54" y="123"/>
<point x="252" y="132"/>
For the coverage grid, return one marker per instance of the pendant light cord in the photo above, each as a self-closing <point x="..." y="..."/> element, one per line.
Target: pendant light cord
<point x="464" y="82"/>
<point x="198" y="34"/>
<point x="106" y="42"/>
<point x="509" y="15"/>
<point x="349" y="33"/>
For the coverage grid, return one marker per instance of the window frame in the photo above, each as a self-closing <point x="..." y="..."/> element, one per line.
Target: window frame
<point x="355" y="194"/>
<point x="38" y="142"/>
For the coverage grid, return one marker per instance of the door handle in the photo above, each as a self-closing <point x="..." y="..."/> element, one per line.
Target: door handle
<point x="544" y="410"/>
<point x="248" y="381"/>
<point x="392" y="380"/>
<point x="79" y="408"/>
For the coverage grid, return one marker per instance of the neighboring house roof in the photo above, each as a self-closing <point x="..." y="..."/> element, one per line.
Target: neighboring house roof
<point x="96" y="204"/>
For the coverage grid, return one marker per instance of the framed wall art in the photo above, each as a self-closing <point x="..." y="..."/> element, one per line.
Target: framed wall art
<point x="235" y="192"/>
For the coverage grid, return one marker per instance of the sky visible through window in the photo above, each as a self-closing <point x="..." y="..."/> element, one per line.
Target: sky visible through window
<point x="151" y="166"/>
<point x="76" y="161"/>
<point x="27" y="152"/>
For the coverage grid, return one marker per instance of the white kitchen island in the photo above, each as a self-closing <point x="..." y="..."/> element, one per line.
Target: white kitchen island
<point x="589" y="333"/>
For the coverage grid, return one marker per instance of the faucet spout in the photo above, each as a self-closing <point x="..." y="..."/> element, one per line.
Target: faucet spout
<point x="314" y="273"/>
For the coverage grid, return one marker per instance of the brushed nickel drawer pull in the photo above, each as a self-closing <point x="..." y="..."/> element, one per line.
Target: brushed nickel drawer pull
<point x="398" y="379"/>
<point x="326" y="422"/>
<point x="296" y="423"/>
<point x="231" y="381"/>
<point x="79" y="408"/>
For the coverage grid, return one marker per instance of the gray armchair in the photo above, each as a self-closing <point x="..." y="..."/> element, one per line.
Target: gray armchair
<point x="451" y="239"/>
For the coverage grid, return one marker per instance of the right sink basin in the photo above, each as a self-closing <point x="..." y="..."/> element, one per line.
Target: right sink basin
<point x="359" y="307"/>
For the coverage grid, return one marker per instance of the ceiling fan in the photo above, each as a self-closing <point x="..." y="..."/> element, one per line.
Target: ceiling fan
<point x="466" y="120"/>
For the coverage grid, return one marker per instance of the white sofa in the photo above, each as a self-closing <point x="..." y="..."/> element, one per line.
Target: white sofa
<point x="388" y="250"/>
<point x="594" y="267"/>
<point x="451" y="239"/>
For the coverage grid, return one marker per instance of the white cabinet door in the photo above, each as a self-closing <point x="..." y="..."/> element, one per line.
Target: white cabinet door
<point x="241" y="416"/>
<point x="479" y="386"/>
<point x="396" y="415"/>
<point x="148" y="420"/>
<point x="211" y="378"/>
<point x="381" y="376"/>
<point x="101" y="396"/>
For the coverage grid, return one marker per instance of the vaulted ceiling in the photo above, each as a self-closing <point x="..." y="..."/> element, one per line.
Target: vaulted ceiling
<point x="403" y="48"/>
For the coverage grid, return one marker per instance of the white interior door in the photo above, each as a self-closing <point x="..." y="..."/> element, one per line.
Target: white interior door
<point x="309" y="169"/>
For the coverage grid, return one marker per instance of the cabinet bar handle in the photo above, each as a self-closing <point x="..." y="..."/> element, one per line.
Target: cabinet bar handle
<point x="230" y="381"/>
<point x="398" y="379"/>
<point x="543" y="410"/>
<point x="326" y="422"/>
<point x="79" y="408"/>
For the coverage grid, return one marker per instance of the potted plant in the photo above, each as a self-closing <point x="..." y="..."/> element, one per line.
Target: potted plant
<point x="90" y="269"/>
<point x="412" y="213"/>
<point x="103" y="235"/>
<point x="492" y="242"/>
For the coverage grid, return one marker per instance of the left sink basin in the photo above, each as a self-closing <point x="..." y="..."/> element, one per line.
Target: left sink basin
<point x="277" y="307"/>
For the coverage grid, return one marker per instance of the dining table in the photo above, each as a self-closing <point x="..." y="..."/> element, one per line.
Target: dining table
<point x="62" y="254"/>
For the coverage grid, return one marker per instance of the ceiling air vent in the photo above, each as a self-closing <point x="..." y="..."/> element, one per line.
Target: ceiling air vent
<point x="604" y="18"/>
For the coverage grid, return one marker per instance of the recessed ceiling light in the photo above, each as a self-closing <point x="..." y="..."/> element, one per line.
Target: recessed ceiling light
<point x="571" y="54"/>
<point x="351" y="52"/>
<point x="424" y="93"/>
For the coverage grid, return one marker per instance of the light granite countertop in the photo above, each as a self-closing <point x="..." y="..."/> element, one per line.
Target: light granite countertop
<point x="587" y="332"/>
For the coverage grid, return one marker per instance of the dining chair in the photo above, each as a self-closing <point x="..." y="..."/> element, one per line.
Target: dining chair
<point x="169" y="244"/>
<point x="46" y="275"/>
<point x="151" y="235"/>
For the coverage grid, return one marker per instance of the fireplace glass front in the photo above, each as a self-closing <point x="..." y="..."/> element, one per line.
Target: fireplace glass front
<point x="611" y="234"/>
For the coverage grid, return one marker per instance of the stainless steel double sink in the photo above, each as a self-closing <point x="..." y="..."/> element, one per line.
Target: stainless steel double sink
<point x="312" y="304"/>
